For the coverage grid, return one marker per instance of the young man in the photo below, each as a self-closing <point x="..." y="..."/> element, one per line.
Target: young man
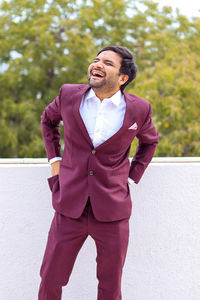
<point x="89" y="183"/>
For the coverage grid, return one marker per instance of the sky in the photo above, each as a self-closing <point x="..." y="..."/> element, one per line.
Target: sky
<point x="189" y="8"/>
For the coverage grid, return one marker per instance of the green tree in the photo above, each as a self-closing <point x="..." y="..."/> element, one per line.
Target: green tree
<point x="45" y="43"/>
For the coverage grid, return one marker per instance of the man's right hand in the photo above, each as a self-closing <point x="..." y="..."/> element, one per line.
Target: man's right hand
<point x="55" y="168"/>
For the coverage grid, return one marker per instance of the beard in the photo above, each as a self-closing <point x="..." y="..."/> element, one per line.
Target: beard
<point x="97" y="82"/>
<point x="101" y="83"/>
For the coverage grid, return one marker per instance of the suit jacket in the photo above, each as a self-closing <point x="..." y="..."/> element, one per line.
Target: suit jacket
<point x="102" y="172"/>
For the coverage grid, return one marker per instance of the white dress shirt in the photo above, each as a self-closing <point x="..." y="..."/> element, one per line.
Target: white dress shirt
<point x="102" y="119"/>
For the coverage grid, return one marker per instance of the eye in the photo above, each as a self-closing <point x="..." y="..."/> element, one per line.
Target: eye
<point x="109" y="63"/>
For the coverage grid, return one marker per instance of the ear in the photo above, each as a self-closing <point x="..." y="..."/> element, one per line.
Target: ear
<point x="123" y="78"/>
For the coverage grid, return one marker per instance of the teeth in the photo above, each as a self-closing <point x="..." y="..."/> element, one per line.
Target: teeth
<point x="97" y="73"/>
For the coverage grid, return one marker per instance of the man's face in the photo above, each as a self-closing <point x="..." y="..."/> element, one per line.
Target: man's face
<point x="104" y="71"/>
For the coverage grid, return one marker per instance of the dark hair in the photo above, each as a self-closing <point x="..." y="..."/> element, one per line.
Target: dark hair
<point x="128" y="66"/>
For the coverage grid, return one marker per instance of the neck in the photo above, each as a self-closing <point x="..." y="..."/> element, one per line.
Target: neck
<point x="102" y="94"/>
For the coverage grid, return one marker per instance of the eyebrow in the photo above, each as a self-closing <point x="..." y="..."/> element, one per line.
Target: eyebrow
<point x="106" y="60"/>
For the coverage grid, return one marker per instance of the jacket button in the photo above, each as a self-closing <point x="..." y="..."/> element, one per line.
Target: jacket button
<point x="91" y="173"/>
<point x="93" y="151"/>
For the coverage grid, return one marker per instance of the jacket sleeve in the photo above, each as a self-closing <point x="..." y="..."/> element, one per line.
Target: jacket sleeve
<point x="148" y="140"/>
<point x="50" y="124"/>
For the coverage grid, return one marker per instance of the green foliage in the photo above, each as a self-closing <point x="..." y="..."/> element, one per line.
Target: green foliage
<point x="45" y="43"/>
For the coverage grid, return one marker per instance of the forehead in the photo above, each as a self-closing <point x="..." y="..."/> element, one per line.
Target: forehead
<point x="110" y="55"/>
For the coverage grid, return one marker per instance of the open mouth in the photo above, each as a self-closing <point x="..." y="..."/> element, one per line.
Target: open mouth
<point x="97" y="74"/>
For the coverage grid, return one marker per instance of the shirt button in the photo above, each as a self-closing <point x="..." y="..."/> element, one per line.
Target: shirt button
<point x="91" y="173"/>
<point x="93" y="151"/>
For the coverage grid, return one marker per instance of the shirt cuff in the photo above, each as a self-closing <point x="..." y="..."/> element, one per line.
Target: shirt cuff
<point x="130" y="181"/>
<point x="52" y="160"/>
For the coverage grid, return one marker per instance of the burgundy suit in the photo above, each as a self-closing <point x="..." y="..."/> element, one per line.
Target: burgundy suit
<point x="99" y="173"/>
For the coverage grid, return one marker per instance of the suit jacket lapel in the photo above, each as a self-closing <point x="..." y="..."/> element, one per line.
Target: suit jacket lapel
<point x="77" y="97"/>
<point x="128" y="117"/>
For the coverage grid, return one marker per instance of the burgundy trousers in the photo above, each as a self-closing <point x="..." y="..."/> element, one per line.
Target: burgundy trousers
<point x="65" y="239"/>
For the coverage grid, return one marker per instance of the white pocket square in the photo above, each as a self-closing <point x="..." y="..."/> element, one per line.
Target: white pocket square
<point x="134" y="126"/>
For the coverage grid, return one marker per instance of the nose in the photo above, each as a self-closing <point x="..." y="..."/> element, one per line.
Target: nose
<point x="98" y="64"/>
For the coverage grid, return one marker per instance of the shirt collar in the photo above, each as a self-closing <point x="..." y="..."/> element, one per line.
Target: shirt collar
<point x="116" y="98"/>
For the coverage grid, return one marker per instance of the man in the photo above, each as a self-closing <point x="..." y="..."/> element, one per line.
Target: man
<point x="89" y="184"/>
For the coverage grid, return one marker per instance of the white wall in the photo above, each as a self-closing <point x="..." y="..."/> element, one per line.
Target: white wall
<point x="163" y="260"/>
